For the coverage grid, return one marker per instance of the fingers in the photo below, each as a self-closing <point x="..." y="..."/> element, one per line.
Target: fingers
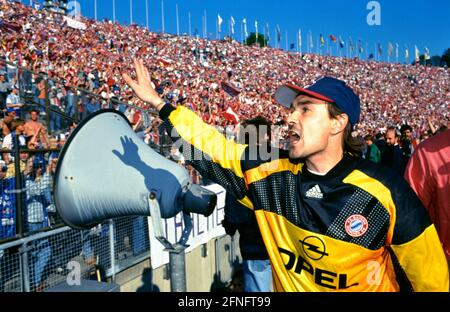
<point x="140" y="70"/>
<point x="137" y="67"/>
<point x="129" y="81"/>
<point x="143" y="73"/>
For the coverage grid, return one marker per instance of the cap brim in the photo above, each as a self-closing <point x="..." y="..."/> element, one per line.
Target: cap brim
<point x="286" y="94"/>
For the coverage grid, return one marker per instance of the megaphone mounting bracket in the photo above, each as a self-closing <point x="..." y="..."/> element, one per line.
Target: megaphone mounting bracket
<point x="155" y="213"/>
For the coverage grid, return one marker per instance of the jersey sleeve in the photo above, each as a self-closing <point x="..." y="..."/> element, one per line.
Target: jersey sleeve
<point x="207" y="150"/>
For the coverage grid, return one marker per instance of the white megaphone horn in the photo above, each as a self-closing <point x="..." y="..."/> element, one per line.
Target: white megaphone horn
<point x="106" y="171"/>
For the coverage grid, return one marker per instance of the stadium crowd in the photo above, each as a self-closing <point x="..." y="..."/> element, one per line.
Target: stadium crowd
<point x="189" y="71"/>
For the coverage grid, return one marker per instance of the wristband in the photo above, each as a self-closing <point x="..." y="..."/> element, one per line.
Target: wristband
<point x="160" y="105"/>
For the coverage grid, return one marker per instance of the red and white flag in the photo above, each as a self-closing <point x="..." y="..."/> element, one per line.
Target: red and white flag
<point x="231" y="115"/>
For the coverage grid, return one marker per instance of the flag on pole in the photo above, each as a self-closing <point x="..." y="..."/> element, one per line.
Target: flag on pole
<point x="267" y="32"/>
<point x="278" y="34"/>
<point x="396" y="51"/>
<point x="380" y="49"/>
<point x="311" y="44"/>
<point x="427" y="54"/>
<point x="341" y="42"/>
<point x="390" y="49"/>
<point x="417" y="53"/>
<point x="322" y="42"/>
<point x="230" y="89"/>
<point x="333" y="38"/>
<point x="350" y="44"/>
<point x="300" y="39"/>
<point x="244" y="21"/>
<point x="232" y="25"/>
<point x="406" y="54"/>
<point x="231" y="115"/>
<point x="360" y="46"/>
<point x="219" y="21"/>
<point x="256" y="30"/>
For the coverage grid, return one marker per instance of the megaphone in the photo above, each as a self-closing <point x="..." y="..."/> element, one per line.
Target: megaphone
<point x="106" y="171"/>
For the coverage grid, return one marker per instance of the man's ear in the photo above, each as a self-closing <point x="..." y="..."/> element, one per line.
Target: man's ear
<point x="339" y="123"/>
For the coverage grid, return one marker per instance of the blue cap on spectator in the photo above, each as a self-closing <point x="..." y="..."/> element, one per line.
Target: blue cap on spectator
<point x="328" y="89"/>
<point x="38" y="162"/>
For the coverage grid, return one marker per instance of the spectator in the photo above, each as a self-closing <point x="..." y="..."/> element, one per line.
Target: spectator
<point x="428" y="173"/>
<point x="257" y="270"/>
<point x="13" y="102"/>
<point x="7" y="203"/>
<point x="393" y="156"/>
<point x="372" y="152"/>
<point x="4" y="90"/>
<point x="17" y="129"/>
<point x="34" y="128"/>
<point x="36" y="219"/>
<point x="407" y="142"/>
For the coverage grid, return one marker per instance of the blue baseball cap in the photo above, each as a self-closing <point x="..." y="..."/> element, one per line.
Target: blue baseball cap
<point x="327" y="89"/>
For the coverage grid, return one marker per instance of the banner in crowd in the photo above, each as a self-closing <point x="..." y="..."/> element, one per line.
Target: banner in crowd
<point x="74" y="23"/>
<point x="204" y="229"/>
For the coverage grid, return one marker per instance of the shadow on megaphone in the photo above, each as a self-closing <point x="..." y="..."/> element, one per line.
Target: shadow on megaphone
<point x="121" y="177"/>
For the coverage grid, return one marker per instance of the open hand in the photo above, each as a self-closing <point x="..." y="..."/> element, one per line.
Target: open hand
<point x="143" y="87"/>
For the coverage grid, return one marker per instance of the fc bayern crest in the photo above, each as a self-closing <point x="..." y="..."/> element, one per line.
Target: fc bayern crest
<point x="356" y="225"/>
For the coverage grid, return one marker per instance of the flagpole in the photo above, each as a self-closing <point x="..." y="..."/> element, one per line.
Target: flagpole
<point x="206" y="27"/>
<point x="367" y="48"/>
<point x="308" y="45"/>
<point x="162" y="15"/>
<point x="396" y="53"/>
<point x="276" y="37"/>
<point x="242" y="29"/>
<point x="376" y="52"/>
<point x="178" y="23"/>
<point x="286" y="41"/>
<point x="189" y="23"/>
<point x="317" y="46"/>
<point x="114" y="11"/>
<point x="203" y="26"/>
<point x="131" y="12"/>
<point x="264" y="40"/>
<point x="95" y="8"/>
<point x="146" y="14"/>
<point x="347" y="49"/>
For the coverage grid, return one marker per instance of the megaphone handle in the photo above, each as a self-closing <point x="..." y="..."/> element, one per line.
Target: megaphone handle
<point x="155" y="213"/>
<point x="187" y="229"/>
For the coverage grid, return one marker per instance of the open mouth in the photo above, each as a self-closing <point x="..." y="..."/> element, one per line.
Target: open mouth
<point x="294" y="137"/>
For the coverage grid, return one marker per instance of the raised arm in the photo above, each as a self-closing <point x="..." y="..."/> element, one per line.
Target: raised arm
<point x="202" y="145"/>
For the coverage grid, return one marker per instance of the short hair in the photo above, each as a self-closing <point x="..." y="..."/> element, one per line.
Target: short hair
<point x="352" y="145"/>
<point x="392" y="128"/>
<point x="368" y="137"/>
<point x="405" y="127"/>
<point x="258" y="122"/>
<point x="17" y="122"/>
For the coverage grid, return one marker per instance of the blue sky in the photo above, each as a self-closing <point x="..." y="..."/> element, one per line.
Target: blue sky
<point x="423" y="23"/>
